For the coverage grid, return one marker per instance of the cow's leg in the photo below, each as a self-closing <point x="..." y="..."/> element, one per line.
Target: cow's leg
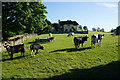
<point x="21" y="54"/>
<point x="78" y="45"/>
<point x="37" y="51"/>
<point x="94" y="45"/>
<point x="100" y="43"/>
<point x="11" y="56"/>
<point x="82" y="44"/>
<point x="31" y="52"/>
<point x="91" y="44"/>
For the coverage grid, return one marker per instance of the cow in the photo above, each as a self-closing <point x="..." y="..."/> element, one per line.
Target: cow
<point x="79" y="40"/>
<point x="50" y="34"/>
<point x="42" y="40"/>
<point x="70" y="34"/>
<point x="51" y="38"/>
<point x="36" y="47"/>
<point x="15" y="49"/>
<point x="85" y="35"/>
<point x="96" y="38"/>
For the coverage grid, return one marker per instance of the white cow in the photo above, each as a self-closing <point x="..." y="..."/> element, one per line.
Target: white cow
<point x="50" y="34"/>
<point x="96" y="38"/>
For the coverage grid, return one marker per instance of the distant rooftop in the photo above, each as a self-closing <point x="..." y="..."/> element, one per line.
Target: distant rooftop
<point x="68" y="22"/>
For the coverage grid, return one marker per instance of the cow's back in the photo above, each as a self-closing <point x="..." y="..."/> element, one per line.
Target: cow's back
<point x="16" y="48"/>
<point x="19" y="48"/>
<point x="94" y="38"/>
<point x="34" y="46"/>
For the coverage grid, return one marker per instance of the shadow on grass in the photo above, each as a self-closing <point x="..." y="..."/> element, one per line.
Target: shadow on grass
<point x="37" y="42"/>
<point x="102" y="72"/>
<point x="71" y="49"/>
<point x="31" y="42"/>
<point x="8" y="59"/>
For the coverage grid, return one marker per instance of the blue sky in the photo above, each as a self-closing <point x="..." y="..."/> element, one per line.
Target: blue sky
<point x="90" y="14"/>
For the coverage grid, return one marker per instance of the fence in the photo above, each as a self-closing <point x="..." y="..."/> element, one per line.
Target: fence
<point x="15" y="40"/>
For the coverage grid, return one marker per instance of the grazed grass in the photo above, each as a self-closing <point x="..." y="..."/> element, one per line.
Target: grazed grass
<point x="60" y="57"/>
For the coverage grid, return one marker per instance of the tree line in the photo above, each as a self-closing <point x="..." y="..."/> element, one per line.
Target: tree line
<point x="98" y="29"/>
<point x="116" y="31"/>
<point x="22" y="17"/>
<point x="83" y="28"/>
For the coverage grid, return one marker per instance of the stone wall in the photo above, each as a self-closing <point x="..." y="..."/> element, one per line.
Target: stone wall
<point x="20" y="40"/>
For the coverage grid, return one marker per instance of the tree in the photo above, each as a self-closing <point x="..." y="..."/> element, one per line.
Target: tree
<point x="112" y="30"/>
<point x="55" y="25"/>
<point x="20" y="17"/>
<point x="85" y="28"/>
<point x="49" y="24"/>
<point x="117" y="32"/>
<point x="98" y="29"/>
<point x="102" y="30"/>
<point x="80" y="27"/>
<point x="94" y="29"/>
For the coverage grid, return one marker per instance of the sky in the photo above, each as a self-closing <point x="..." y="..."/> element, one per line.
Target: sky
<point x="90" y="14"/>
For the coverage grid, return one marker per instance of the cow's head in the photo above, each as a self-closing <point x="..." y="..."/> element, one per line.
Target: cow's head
<point x="41" y="47"/>
<point x="100" y="36"/>
<point x="6" y="45"/>
<point x="85" y="38"/>
<point x="8" y="49"/>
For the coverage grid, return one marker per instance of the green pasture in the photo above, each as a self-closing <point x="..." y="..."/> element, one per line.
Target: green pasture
<point x="61" y="60"/>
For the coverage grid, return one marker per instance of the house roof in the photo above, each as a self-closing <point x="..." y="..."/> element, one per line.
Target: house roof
<point x="68" y="22"/>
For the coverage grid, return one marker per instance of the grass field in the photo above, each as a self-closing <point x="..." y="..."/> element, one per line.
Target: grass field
<point x="61" y="60"/>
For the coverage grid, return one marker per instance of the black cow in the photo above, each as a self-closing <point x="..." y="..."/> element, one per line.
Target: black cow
<point x="36" y="47"/>
<point x="15" y="49"/>
<point x="79" y="40"/>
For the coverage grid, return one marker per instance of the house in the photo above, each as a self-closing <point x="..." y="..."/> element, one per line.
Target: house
<point x="68" y="26"/>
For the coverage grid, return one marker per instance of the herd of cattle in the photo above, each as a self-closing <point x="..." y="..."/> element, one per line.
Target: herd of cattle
<point x="96" y="38"/>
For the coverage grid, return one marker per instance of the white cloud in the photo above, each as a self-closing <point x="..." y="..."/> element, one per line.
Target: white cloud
<point x="109" y="5"/>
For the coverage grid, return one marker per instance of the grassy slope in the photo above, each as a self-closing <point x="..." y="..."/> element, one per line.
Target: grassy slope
<point x="60" y="57"/>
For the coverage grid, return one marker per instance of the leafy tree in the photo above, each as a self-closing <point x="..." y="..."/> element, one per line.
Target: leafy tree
<point x="48" y="22"/>
<point x="85" y="28"/>
<point x="20" y="17"/>
<point x="55" y="25"/>
<point x="117" y="32"/>
<point x="49" y="25"/>
<point x="102" y="30"/>
<point x="94" y="29"/>
<point x="112" y="30"/>
<point x="98" y="29"/>
<point x="80" y="27"/>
